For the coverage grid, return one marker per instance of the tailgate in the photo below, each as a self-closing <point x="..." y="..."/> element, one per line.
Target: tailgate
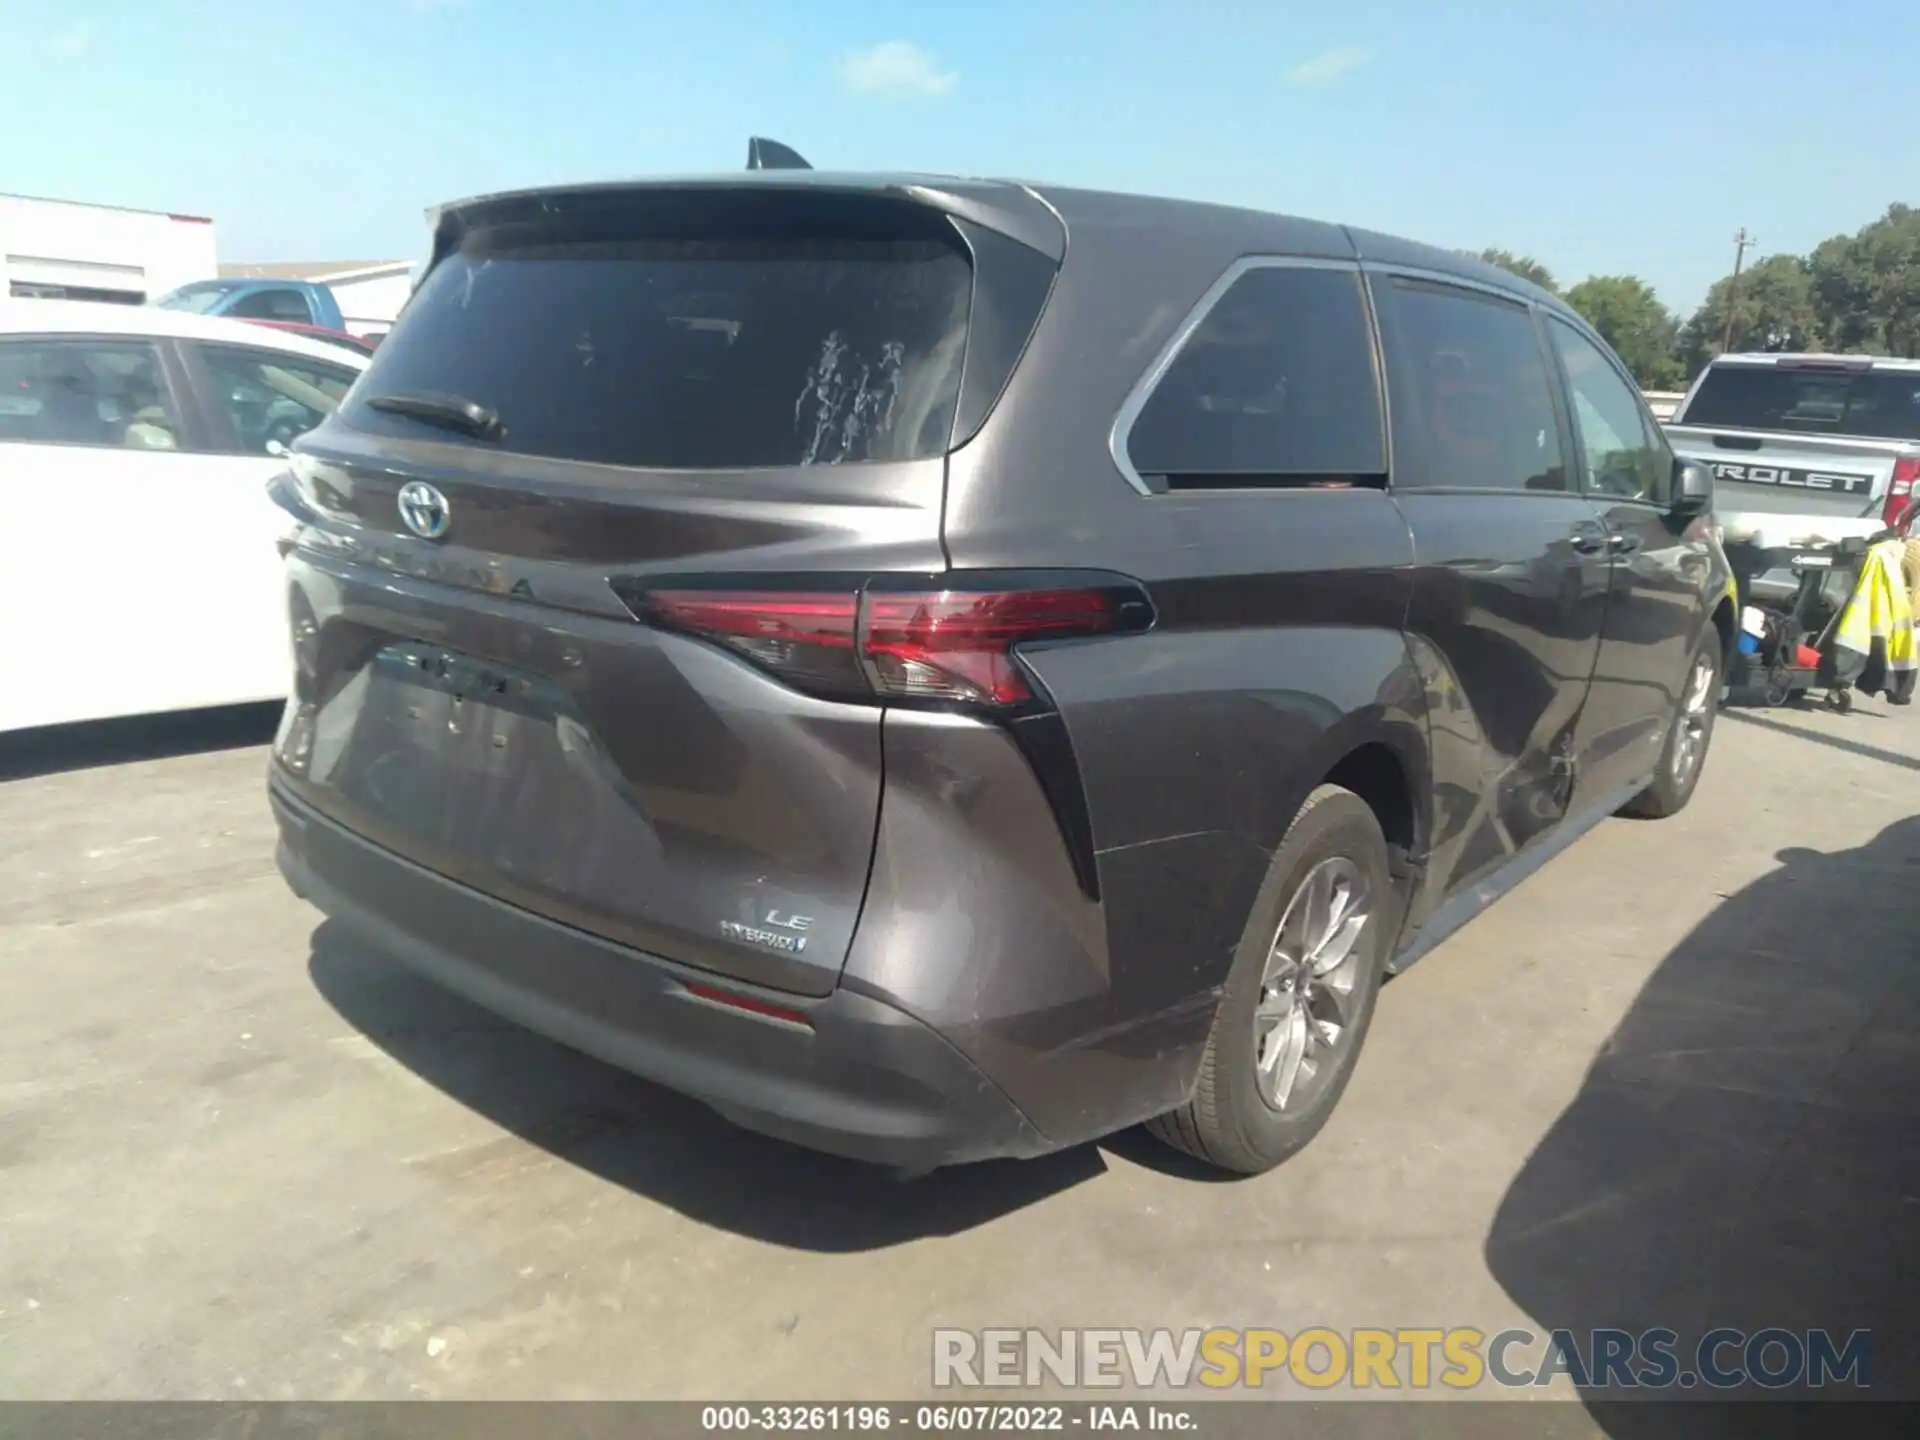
<point x="1791" y="474"/>
<point x="636" y="785"/>
<point x="1818" y="435"/>
<point x="682" y="389"/>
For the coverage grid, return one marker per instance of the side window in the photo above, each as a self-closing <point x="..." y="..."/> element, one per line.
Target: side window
<point x="275" y="304"/>
<point x="1624" y="460"/>
<point x="272" y="400"/>
<point x="1276" y="383"/>
<point x="86" y="392"/>
<point x="1472" y="394"/>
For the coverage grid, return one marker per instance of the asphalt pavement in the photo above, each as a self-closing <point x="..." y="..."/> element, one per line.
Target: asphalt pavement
<point x="1670" y="1081"/>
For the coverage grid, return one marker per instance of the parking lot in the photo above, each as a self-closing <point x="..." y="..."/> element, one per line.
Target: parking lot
<point x="1670" y="1081"/>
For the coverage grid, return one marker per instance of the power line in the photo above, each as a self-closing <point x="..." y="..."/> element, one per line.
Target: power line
<point x="1741" y="241"/>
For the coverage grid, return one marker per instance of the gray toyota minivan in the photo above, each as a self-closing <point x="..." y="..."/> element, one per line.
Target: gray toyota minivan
<point x="944" y="668"/>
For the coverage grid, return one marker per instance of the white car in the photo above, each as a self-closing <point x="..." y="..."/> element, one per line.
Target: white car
<point x="138" y="565"/>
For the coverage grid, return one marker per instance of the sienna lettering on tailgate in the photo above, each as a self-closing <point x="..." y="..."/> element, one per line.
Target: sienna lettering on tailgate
<point x="1798" y="479"/>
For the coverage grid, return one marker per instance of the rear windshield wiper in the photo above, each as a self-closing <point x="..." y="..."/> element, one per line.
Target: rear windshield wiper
<point x="449" y="412"/>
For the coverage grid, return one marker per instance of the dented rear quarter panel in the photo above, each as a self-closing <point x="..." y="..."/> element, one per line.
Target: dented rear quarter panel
<point x="1277" y="650"/>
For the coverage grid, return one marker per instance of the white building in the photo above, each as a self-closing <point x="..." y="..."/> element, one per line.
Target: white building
<point x="61" y="249"/>
<point x="370" y="292"/>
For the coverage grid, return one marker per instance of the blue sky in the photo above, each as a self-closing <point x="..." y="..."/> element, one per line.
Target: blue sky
<point x="1602" y="136"/>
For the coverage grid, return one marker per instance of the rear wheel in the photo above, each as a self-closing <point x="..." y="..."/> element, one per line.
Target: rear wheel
<point x="1300" y="996"/>
<point x="1688" y="737"/>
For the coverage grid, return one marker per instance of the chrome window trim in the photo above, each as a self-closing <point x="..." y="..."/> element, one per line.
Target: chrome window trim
<point x="1390" y="271"/>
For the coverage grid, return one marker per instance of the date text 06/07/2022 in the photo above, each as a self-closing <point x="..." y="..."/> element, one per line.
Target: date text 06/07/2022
<point x="985" y="1418"/>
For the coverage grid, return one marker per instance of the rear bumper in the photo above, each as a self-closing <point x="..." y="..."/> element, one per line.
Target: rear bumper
<point x="861" y="1079"/>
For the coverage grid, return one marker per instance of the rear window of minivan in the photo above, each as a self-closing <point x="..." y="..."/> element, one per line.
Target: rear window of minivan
<point x="711" y="334"/>
<point x="1808" y="399"/>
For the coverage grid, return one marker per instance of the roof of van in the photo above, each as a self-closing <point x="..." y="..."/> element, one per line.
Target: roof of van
<point x="1017" y="207"/>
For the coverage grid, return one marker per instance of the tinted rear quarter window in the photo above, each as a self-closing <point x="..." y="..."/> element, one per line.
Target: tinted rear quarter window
<point x="1472" y="394"/>
<point x="715" y="335"/>
<point x="1808" y="400"/>
<point x="1276" y="384"/>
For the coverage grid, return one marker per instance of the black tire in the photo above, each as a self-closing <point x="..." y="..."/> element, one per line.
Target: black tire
<point x="1229" y="1122"/>
<point x="1673" y="785"/>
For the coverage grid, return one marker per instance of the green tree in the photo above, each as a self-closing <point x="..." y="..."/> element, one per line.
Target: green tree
<point x="1866" y="286"/>
<point x="1630" y="318"/>
<point x="1842" y="295"/>
<point x="1772" y="307"/>
<point x="1525" y="266"/>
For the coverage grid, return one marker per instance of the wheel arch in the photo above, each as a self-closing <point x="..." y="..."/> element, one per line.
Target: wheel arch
<point x="1727" y="622"/>
<point x="1382" y="757"/>
<point x="1384" y="761"/>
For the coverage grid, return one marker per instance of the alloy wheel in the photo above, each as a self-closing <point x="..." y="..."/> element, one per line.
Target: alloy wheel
<point x="1695" y="718"/>
<point x="1307" y="989"/>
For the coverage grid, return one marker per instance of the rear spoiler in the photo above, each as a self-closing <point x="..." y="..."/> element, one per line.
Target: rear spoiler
<point x="1009" y="208"/>
<point x="1854" y="364"/>
<point x="765" y="154"/>
<point x="762" y="154"/>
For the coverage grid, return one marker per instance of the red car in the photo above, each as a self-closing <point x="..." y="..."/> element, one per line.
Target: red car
<point x="319" y="332"/>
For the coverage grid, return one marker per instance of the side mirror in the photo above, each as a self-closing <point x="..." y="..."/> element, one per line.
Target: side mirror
<point x="1692" y="487"/>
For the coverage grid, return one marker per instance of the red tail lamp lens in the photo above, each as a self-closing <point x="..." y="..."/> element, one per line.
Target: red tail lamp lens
<point x="957" y="645"/>
<point x="770" y="617"/>
<point x="804" y="639"/>
<point x="1902" y="491"/>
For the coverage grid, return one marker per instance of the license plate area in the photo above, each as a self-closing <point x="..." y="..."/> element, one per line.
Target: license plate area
<point x="458" y="717"/>
<point x="638" y="786"/>
<point x="486" y="773"/>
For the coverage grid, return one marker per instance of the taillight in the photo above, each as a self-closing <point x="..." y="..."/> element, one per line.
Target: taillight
<point x="807" y="640"/>
<point x="954" y="643"/>
<point x="1900" y="489"/>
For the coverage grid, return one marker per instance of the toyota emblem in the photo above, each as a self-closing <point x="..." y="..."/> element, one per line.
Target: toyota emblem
<point x="424" y="509"/>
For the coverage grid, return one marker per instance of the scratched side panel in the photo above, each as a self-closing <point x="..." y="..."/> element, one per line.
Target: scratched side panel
<point x="1197" y="752"/>
<point x="1195" y="749"/>
<point x="976" y="924"/>
<point x="1277" y="651"/>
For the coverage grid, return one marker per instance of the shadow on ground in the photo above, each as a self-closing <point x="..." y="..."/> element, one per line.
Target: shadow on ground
<point x="1842" y="743"/>
<point x="653" y="1141"/>
<point x="1745" y="1151"/>
<point x="54" y="749"/>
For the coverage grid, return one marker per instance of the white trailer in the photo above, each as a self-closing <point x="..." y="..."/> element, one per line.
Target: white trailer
<point x="61" y="249"/>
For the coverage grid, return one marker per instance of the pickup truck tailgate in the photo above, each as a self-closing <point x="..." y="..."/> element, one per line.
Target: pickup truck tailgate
<point x="1792" y="474"/>
<point x="1824" y="436"/>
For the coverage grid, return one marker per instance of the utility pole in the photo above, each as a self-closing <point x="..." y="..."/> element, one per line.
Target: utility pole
<point x="1741" y="241"/>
